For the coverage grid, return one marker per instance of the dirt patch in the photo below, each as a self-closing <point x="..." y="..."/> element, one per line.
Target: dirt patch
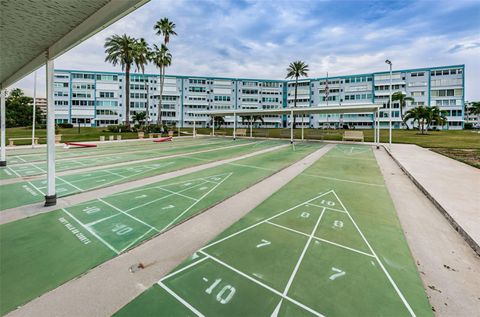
<point x="468" y="156"/>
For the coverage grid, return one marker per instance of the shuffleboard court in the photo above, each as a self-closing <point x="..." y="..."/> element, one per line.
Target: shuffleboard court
<point x="29" y="192"/>
<point x="327" y="244"/>
<point x="100" y="158"/>
<point x="44" y="251"/>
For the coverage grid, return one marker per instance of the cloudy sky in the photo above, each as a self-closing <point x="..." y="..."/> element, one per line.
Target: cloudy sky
<point x="259" y="38"/>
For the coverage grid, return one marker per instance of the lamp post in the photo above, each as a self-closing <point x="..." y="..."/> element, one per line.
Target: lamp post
<point x="390" y="107"/>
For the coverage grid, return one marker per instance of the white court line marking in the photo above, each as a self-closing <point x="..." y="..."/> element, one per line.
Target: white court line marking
<point x="352" y="158"/>
<point x="263" y="285"/>
<point x="90" y="224"/>
<point x="92" y="232"/>
<point x="320" y="239"/>
<point x="13" y="171"/>
<point x="181" y="300"/>
<point x="21" y="159"/>
<point x="191" y="206"/>
<point x="319" y="206"/>
<point x="36" y="188"/>
<point x="407" y="305"/>
<point x="116" y="174"/>
<point x="68" y="183"/>
<point x="263" y="221"/>
<point x="251" y="166"/>
<point x="277" y="309"/>
<point x="172" y="192"/>
<point x="342" y="180"/>
<point x="135" y="241"/>
<point x="297" y="266"/>
<point x="128" y="215"/>
<point x="183" y="269"/>
<point x="166" y="196"/>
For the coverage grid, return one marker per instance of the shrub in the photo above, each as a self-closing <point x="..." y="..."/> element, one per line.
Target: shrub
<point x="468" y="125"/>
<point x="65" y="125"/>
<point x="118" y="128"/>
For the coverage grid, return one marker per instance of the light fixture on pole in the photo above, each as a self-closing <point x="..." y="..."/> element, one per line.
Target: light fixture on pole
<point x="390" y="106"/>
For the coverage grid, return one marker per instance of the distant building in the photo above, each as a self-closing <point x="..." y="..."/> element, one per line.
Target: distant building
<point x="98" y="98"/>
<point x="41" y="104"/>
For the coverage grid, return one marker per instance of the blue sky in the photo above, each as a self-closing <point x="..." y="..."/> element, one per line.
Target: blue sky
<point x="259" y="38"/>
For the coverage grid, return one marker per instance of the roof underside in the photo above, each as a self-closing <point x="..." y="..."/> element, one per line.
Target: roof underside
<point x="343" y="109"/>
<point x="29" y="28"/>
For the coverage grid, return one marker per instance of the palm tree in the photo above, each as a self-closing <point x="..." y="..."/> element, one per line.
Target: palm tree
<point x="162" y="58"/>
<point x="140" y="117"/>
<point x="418" y="114"/>
<point x="142" y="57"/>
<point x="165" y="28"/>
<point x="436" y="116"/>
<point x="252" y="119"/>
<point x="219" y="121"/>
<point x="296" y="69"/>
<point x="121" y="50"/>
<point x="402" y="100"/>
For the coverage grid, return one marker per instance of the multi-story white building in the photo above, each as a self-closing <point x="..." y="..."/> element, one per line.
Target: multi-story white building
<point x="98" y="98"/>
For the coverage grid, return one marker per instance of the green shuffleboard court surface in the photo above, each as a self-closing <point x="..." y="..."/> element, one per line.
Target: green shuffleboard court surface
<point x="104" y="156"/>
<point x="44" y="251"/>
<point x="29" y="192"/>
<point x="327" y="244"/>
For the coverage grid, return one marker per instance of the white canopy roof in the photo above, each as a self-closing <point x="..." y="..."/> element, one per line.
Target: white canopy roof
<point x="29" y="28"/>
<point x="346" y="108"/>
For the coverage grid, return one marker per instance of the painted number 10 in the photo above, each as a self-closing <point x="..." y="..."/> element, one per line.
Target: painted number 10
<point x="225" y="294"/>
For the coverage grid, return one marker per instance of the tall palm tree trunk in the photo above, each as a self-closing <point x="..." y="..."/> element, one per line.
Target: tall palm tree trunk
<point x="127" y="97"/>
<point x="162" y="78"/>
<point x="295" y="101"/>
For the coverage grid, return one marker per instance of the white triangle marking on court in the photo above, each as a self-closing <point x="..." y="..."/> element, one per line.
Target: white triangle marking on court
<point x="277" y="309"/>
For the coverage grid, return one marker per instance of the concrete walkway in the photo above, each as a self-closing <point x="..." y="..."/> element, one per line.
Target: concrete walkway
<point x="108" y="287"/>
<point x="449" y="268"/>
<point x="17" y="213"/>
<point x="453" y="187"/>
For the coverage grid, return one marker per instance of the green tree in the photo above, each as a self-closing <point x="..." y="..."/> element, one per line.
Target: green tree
<point x="165" y="28"/>
<point x="418" y="114"/>
<point x="435" y="116"/>
<point x="402" y="100"/>
<point x="140" y="117"/>
<point x="143" y="55"/>
<point x="219" y="121"/>
<point x="122" y="50"/>
<point x="162" y="58"/>
<point x="252" y="119"/>
<point x="295" y="70"/>
<point x="19" y="110"/>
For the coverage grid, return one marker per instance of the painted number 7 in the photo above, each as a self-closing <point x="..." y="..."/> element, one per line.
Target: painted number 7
<point x="337" y="274"/>
<point x="263" y="243"/>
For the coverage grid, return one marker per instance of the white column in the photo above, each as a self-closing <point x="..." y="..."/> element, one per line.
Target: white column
<point x="194" y="127"/>
<point x="390" y="111"/>
<point x="251" y="122"/>
<point x="234" y="126"/>
<point x="3" y="155"/>
<point x="303" y="119"/>
<point x="213" y="126"/>
<point x="291" y="126"/>
<point x="34" y="107"/>
<point x="378" y="127"/>
<point x="51" y="196"/>
<point x="374" y="123"/>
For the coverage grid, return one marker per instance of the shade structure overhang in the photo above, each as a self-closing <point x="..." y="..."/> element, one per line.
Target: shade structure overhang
<point x="36" y="30"/>
<point x="341" y="109"/>
<point x="32" y="34"/>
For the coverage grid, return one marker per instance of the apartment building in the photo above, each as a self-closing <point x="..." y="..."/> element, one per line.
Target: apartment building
<point x="92" y="98"/>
